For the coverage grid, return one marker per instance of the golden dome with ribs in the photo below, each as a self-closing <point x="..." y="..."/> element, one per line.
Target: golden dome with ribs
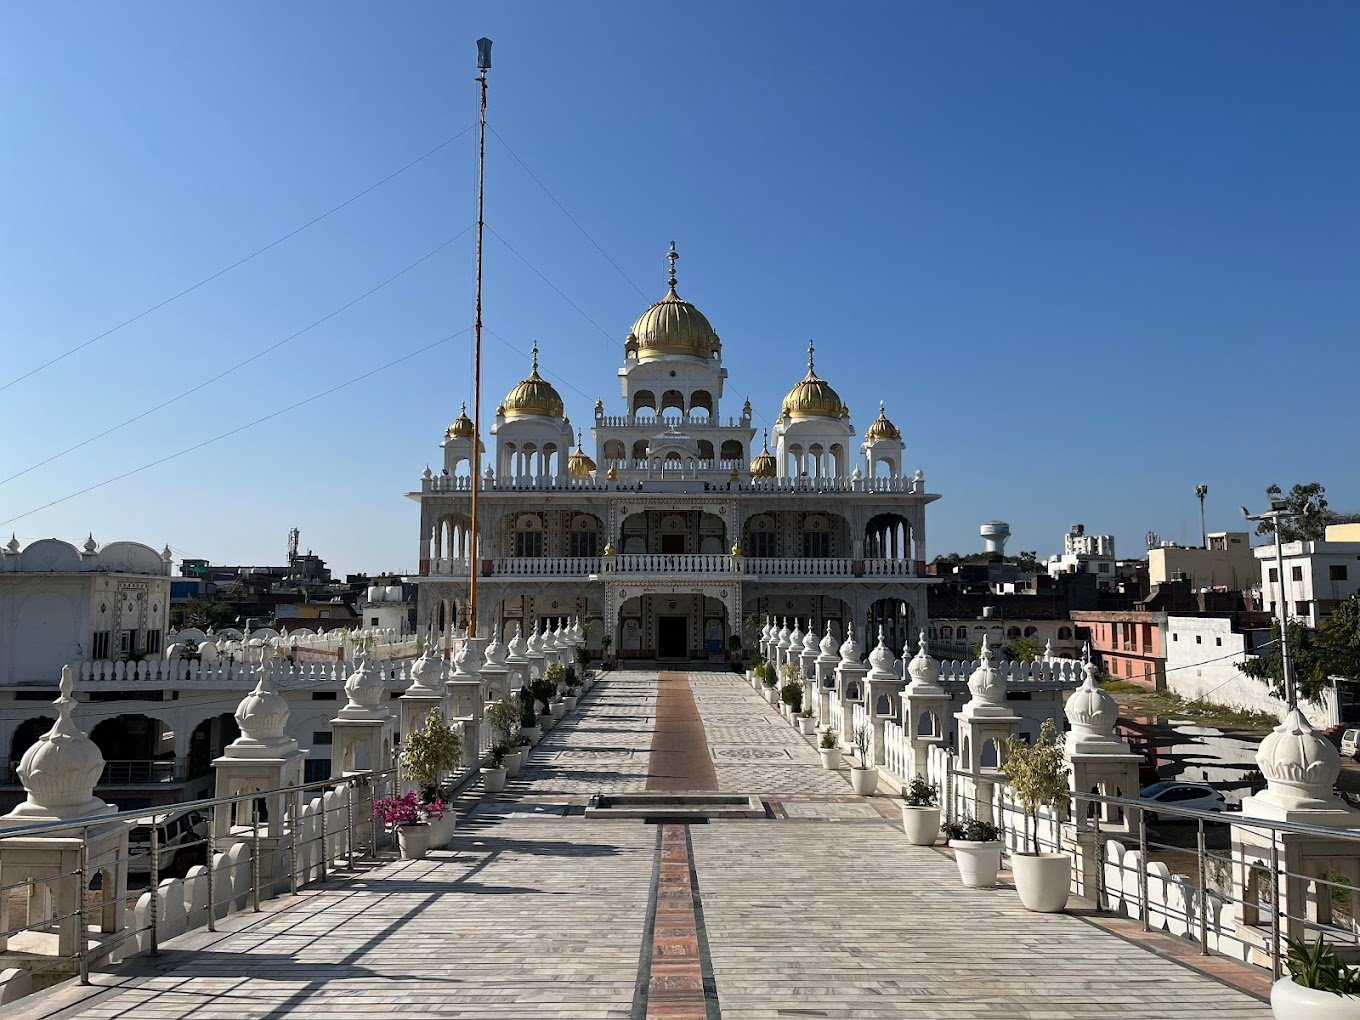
<point x="461" y="427"/>
<point x="881" y="427"/>
<point x="673" y="326"/>
<point x="532" y="396"/>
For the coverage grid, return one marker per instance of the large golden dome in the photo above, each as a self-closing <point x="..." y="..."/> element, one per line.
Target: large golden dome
<point x="764" y="465"/>
<point x="881" y="427"/>
<point x="462" y="426"/>
<point x="813" y="397"/>
<point x="673" y="326"/>
<point x="532" y="396"/>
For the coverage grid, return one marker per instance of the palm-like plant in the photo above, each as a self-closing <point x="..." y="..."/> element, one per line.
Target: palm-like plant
<point x="1038" y="775"/>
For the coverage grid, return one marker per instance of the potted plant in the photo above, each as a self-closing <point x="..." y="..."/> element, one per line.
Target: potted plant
<point x="556" y="676"/>
<point x="1038" y="776"/>
<point x="403" y="813"/>
<point x="529" y="730"/>
<point x="1319" y="986"/>
<point x="543" y="691"/>
<point x="572" y="684"/>
<point x="791" y="694"/>
<point x="863" y="776"/>
<point x="921" y="812"/>
<point x="504" y="716"/>
<point x="493" y="772"/>
<point x="428" y="753"/>
<point x="606" y="643"/>
<point x="977" y="851"/>
<point x="758" y="674"/>
<point x="734" y="647"/>
<point x="806" y="724"/>
<point x="583" y="665"/>
<point x="830" y="751"/>
<point x="769" y="682"/>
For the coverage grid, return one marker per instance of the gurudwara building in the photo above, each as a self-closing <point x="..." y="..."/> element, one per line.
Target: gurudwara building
<point x="675" y="527"/>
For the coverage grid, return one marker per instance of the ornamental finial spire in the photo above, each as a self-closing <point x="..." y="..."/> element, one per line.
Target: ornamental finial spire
<point x="765" y="439"/>
<point x="672" y="256"/>
<point x="811" y="351"/>
<point x="534" y="355"/>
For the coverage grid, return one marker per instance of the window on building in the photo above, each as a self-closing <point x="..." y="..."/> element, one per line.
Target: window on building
<point x="583" y="543"/>
<point x="1336" y="572"/>
<point x="1218" y="641"/>
<point x="1104" y="568"/>
<point x="816" y="544"/>
<point x="324" y="696"/>
<point x="761" y="544"/>
<point x="321" y="738"/>
<point x="528" y="543"/>
<point x="1199" y="640"/>
<point x="153" y="642"/>
<point x="1175" y="636"/>
<point x="372" y="621"/>
<point x="1296" y="573"/>
<point x="126" y="642"/>
<point x="101" y="645"/>
<point x="1274" y="575"/>
<point x="314" y="770"/>
<point x="1300" y="608"/>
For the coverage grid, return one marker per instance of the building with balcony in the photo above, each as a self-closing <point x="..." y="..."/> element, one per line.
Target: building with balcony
<point x="668" y="530"/>
<point x="1318" y="575"/>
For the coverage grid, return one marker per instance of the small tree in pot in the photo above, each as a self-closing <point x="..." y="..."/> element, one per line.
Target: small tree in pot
<point x="1038" y="776"/>
<point x="921" y="812"/>
<point x="1319" y="984"/>
<point x="493" y="772"/>
<point x="830" y="751"/>
<point x="504" y="717"/>
<point x="864" y="776"/>
<point x="791" y="694"/>
<point x="529" y="730"/>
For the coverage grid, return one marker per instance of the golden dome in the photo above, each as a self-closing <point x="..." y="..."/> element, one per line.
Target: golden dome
<point x="882" y="428"/>
<point x="813" y="397"/>
<point x="532" y="396"/>
<point x="579" y="464"/>
<point x="673" y="326"/>
<point x="764" y="464"/>
<point x="461" y="427"/>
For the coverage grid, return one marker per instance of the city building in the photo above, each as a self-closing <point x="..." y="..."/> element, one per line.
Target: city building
<point x="1127" y="643"/>
<point x="1226" y="563"/>
<point x="669" y="532"/>
<point x="1085" y="554"/>
<point x="1318" y="574"/>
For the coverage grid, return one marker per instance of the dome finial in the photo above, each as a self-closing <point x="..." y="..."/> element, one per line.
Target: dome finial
<point x="534" y="355"/>
<point x="672" y="256"/>
<point x="811" y="350"/>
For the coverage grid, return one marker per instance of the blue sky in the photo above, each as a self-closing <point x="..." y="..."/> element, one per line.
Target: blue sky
<point x="1089" y="255"/>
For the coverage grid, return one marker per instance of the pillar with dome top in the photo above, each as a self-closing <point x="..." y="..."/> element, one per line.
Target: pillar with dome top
<point x="882" y="695"/>
<point x="924" y="703"/>
<point x="985" y="725"/>
<point x="850" y="672"/>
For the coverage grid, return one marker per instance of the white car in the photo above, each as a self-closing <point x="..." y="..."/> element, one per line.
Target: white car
<point x="1350" y="743"/>
<point x="1195" y="796"/>
<point x="179" y="834"/>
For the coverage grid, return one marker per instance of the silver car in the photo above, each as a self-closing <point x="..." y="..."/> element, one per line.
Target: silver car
<point x="1194" y="796"/>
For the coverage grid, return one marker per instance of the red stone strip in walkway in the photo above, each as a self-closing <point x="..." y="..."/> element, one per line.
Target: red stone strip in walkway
<point x="679" y="758"/>
<point x="676" y="987"/>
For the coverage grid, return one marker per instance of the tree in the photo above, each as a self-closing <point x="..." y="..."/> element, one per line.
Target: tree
<point x="1312" y="526"/>
<point x="203" y="614"/>
<point x="1023" y="649"/>
<point x="1316" y="656"/>
<point x="1339" y="639"/>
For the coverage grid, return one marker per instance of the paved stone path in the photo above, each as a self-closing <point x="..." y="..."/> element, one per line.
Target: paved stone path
<point x="821" y="910"/>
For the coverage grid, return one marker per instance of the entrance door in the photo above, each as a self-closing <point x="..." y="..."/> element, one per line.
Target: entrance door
<point x="673" y="544"/>
<point x="672" y="637"/>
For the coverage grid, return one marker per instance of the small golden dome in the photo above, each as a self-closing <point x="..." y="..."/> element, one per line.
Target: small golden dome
<point x="532" y="396"/>
<point x="673" y="326"/>
<point x="881" y="427"/>
<point x="813" y="397"/>
<point x="461" y="427"/>
<point x="764" y="464"/>
<point x="579" y="464"/>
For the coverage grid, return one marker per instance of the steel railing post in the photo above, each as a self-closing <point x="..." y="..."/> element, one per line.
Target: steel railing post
<point x="155" y="886"/>
<point x="212" y="892"/>
<point x="325" y="843"/>
<point x="1203" y="889"/>
<point x="82" y="917"/>
<point x="349" y="821"/>
<point x="255" y="854"/>
<point x="1099" y="852"/>
<point x="1143" y="870"/>
<point x="293" y="862"/>
<point x="1274" y="906"/>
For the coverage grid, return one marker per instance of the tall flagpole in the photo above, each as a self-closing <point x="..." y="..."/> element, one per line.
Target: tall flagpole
<point x="483" y="65"/>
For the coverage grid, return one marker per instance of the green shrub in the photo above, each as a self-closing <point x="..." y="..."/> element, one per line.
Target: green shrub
<point x="919" y="793"/>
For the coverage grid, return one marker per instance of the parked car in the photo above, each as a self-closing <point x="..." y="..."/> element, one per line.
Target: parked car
<point x="1350" y="743"/>
<point x="181" y="842"/>
<point x="1195" y="796"/>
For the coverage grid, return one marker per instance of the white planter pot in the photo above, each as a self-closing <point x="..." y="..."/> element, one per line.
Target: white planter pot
<point x="806" y="725"/>
<point x="546" y="721"/>
<point x="533" y="733"/>
<point x="414" y="841"/>
<point x="831" y="758"/>
<point x="441" y="829"/>
<point x="571" y="702"/>
<point x="1042" y="880"/>
<point x="493" y="779"/>
<point x="864" y="781"/>
<point x="771" y="695"/>
<point x="921" y="824"/>
<point x="1289" y="1001"/>
<point x="513" y="762"/>
<point x="559" y="709"/>
<point x="978" y="862"/>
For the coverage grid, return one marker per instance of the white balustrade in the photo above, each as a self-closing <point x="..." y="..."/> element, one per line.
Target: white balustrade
<point x="744" y="485"/>
<point x="896" y="751"/>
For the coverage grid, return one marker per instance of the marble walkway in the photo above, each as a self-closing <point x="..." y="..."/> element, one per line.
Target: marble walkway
<point x="820" y="910"/>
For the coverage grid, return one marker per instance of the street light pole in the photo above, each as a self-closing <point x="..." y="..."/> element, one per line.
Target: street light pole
<point x="1201" y="491"/>
<point x="1279" y="511"/>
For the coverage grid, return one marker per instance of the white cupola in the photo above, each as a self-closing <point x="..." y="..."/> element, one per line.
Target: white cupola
<point x="60" y="769"/>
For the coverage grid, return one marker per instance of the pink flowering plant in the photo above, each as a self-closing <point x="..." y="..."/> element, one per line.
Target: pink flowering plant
<point x="407" y="809"/>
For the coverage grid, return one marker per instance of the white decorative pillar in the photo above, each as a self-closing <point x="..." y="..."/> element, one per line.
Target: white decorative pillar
<point x="495" y="672"/>
<point x="59" y="772"/>
<point x="781" y="646"/>
<point x="517" y="661"/>
<point x="825" y="683"/>
<point x="467" y="701"/>
<point x="924" y="703"/>
<point x="985" y="719"/>
<point x="849" y="683"/>
<point x="807" y="659"/>
<point x="425" y="694"/>
<point x="883" y="688"/>
<point x="262" y="758"/>
<point x="535" y="654"/>
<point x="1102" y="764"/>
<point x="767" y="639"/>
<point x="1300" y="767"/>
<point x="794" y="651"/>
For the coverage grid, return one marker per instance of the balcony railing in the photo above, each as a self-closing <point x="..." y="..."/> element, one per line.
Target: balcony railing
<point x="630" y="478"/>
<point x="679" y="563"/>
<point x="121" y="773"/>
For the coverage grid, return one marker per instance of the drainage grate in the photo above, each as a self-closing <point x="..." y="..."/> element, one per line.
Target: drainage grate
<point x="666" y="807"/>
